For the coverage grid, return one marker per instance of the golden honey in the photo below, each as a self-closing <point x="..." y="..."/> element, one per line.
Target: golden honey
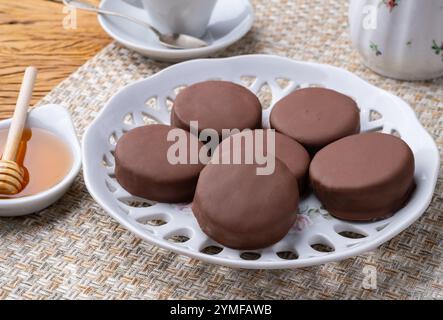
<point x="45" y="158"/>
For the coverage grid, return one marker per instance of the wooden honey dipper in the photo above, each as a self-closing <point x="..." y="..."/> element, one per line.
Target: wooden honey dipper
<point x="12" y="176"/>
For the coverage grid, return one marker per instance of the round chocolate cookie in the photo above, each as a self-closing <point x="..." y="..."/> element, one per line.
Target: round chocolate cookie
<point x="242" y="210"/>
<point x="316" y="117"/>
<point x="363" y="177"/>
<point x="142" y="167"/>
<point x="217" y="105"/>
<point x="289" y="151"/>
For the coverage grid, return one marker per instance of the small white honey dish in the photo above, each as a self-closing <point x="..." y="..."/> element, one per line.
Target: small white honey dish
<point x="56" y="120"/>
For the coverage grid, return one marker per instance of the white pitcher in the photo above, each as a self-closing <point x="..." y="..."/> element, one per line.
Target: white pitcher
<point x="401" y="39"/>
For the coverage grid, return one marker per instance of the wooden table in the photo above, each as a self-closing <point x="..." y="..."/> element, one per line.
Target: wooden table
<point x="32" y="33"/>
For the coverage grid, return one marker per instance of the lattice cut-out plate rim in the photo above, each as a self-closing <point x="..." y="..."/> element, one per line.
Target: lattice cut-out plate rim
<point x="317" y="237"/>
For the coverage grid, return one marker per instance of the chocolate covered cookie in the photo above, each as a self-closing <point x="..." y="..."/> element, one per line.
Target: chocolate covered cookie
<point x="316" y="117"/>
<point x="216" y="105"/>
<point x="363" y="177"/>
<point x="143" y="169"/>
<point x="289" y="151"/>
<point x="242" y="210"/>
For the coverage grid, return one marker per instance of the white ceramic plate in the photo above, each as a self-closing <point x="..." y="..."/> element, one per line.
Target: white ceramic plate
<point x="148" y="100"/>
<point x="230" y="21"/>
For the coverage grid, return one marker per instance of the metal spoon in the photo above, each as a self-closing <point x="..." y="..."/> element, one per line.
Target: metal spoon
<point x="173" y="41"/>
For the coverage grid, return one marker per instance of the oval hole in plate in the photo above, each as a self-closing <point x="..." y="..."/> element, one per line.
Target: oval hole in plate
<point x="148" y="119"/>
<point x="282" y="82"/>
<point x="264" y="94"/>
<point x="320" y="244"/>
<point x="110" y="186"/>
<point x="251" y="256"/>
<point x="350" y="232"/>
<point x="321" y="247"/>
<point x="395" y="133"/>
<point x="152" y="103"/>
<point x="179" y="236"/>
<point x="374" y="115"/>
<point x="352" y="235"/>
<point x="113" y="138"/>
<point x="169" y="102"/>
<point x="382" y="227"/>
<point x="106" y="162"/>
<point x="211" y="250"/>
<point x="248" y="81"/>
<point x="136" y="202"/>
<point x="287" y="255"/>
<point x="156" y="220"/>
<point x="376" y="129"/>
<point x="128" y="119"/>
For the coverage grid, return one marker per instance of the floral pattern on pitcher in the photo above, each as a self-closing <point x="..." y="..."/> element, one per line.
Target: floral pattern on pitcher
<point x="390" y="4"/>
<point x="438" y="49"/>
<point x="374" y="47"/>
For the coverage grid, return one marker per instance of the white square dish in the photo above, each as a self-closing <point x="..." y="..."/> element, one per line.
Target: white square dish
<point x="57" y="120"/>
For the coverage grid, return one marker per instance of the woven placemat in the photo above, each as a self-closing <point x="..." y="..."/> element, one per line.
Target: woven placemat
<point x="75" y="250"/>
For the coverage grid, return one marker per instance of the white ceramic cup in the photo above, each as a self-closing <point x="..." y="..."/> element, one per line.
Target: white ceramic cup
<point x="179" y="16"/>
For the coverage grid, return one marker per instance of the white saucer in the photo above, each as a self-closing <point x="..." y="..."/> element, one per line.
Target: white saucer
<point x="230" y="21"/>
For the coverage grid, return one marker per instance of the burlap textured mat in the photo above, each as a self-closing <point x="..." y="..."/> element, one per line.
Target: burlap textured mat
<point x="74" y="250"/>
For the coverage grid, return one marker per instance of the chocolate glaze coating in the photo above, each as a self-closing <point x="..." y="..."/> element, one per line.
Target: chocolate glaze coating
<point x="363" y="177"/>
<point x="142" y="167"/>
<point x="217" y="105"/>
<point x="289" y="151"/>
<point x="316" y="117"/>
<point x="242" y="210"/>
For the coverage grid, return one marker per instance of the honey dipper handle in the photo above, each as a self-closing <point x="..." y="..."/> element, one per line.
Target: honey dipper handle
<point x="20" y="113"/>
